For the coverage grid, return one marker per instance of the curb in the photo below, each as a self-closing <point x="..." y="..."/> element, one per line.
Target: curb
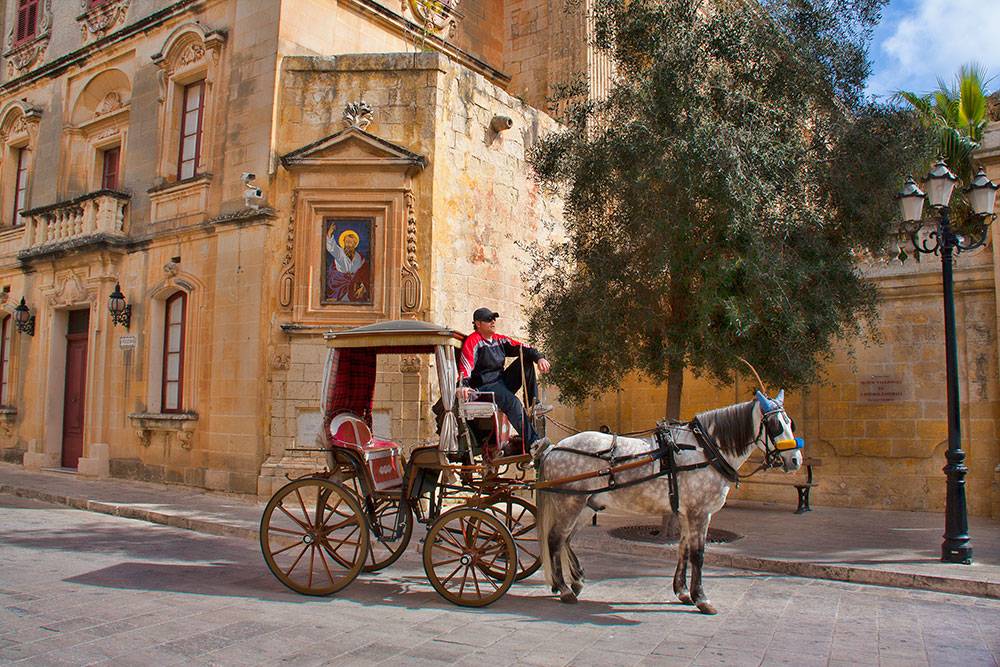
<point x="132" y="512"/>
<point x="854" y="575"/>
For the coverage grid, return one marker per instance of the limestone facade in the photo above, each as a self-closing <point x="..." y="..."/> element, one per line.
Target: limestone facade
<point x="126" y="129"/>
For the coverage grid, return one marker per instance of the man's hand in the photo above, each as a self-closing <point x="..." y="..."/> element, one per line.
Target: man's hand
<point x="464" y="393"/>
<point x="544" y="366"/>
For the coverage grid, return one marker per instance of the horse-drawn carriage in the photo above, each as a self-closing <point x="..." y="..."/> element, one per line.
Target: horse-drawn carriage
<point x="320" y="531"/>
<point x="472" y="489"/>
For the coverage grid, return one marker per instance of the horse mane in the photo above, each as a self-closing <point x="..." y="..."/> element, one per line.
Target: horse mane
<point x="732" y="427"/>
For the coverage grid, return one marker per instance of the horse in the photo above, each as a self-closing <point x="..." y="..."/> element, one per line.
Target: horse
<point x="701" y="486"/>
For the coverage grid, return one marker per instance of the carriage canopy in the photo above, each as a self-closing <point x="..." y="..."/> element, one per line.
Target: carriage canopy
<point x="349" y="375"/>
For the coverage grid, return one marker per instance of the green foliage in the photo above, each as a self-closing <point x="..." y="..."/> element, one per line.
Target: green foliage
<point x="716" y="200"/>
<point x="957" y="115"/>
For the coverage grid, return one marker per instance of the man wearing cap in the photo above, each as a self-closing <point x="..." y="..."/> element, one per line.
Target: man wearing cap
<point x="481" y="369"/>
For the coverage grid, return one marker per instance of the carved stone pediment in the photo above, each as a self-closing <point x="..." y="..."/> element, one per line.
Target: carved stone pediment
<point x="97" y="21"/>
<point x="352" y="146"/>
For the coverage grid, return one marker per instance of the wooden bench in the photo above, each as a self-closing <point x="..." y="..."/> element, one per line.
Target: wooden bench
<point x="778" y="478"/>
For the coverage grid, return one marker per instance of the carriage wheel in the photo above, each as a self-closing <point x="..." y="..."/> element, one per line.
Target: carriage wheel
<point x="314" y="536"/>
<point x="462" y="548"/>
<point x="383" y="554"/>
<point x="519" y="517"/>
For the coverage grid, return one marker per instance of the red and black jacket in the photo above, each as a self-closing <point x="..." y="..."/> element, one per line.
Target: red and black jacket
<point x="481" y="361"/>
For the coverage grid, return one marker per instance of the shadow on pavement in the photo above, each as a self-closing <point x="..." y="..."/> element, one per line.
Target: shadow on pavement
<point x="409" y="592"/>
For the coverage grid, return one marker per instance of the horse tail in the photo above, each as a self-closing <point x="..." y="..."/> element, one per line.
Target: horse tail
<point x="544" y="520"/>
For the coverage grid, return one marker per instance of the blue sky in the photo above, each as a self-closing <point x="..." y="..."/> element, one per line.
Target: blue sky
<point x="921" y="40"/>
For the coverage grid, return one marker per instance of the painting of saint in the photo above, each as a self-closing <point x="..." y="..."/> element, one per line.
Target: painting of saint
<point x="347" y="261"/>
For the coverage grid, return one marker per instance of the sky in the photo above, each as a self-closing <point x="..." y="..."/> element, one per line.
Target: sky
<point x="919" y="41"/>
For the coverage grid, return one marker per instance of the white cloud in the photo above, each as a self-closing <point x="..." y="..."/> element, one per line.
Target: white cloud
<point x="933" y="39"/>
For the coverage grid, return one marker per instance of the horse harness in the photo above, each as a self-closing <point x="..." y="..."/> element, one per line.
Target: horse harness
<point x="671" y="438"/>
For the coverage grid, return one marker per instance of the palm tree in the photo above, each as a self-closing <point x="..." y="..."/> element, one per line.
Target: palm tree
<point x="957" y="113"/>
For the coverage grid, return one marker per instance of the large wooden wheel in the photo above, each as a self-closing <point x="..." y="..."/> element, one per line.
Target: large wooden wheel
<point x="465" y="553"/>
<point x="519" y="517"/>
<point x="314" y="536"/>
<point x="382" y="554"/>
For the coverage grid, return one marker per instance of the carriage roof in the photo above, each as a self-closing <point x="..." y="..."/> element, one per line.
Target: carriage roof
<point x="396" y="337"/>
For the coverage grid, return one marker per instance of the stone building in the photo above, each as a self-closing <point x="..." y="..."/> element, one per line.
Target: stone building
<point x="878" y="423"/>
<point x="134" y="136"/>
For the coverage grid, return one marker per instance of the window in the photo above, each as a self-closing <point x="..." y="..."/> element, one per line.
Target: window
<point x="20" y="183"/>
<point x="5" y="359"/>
<point x="27" y="20"/>
<point x="173" y="353"/>
<point x="109" y="168"/>
<point x="191" y="117"/>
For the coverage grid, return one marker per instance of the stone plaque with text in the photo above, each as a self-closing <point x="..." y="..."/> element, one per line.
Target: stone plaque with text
<point x="881" y="389"/>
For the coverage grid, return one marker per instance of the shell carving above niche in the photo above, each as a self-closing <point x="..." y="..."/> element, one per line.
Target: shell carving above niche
<point x="435" y="16"/>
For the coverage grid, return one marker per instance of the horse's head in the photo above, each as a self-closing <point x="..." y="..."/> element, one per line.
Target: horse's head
<point x="775" y="435"/>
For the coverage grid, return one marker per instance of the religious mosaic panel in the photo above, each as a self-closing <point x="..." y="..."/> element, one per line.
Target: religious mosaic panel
<point x="347" y="257"/>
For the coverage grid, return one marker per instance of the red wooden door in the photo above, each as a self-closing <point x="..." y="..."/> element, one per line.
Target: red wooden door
<point x="76" y="384"/>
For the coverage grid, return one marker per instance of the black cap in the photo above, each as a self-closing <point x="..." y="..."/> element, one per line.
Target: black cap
<point x="484" y="315"/>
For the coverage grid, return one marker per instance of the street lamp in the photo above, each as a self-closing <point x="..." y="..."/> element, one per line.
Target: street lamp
<point x="23" y="319"/>
<point x="944" y="242"/>
<point x="121" y="312"/>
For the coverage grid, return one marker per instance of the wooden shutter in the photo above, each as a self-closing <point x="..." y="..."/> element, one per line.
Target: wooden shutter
<point x="27" y="19"/>
<point x="20" y="185"/>
<point x="192" y="111"/>
<point x="109" y="168"/>
<point x="4" y="359"/>
<point x="173" y="353"/>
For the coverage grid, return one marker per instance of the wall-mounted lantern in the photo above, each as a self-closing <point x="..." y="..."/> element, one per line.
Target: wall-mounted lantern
<point x="23" y="319"/>
<point x="121" y="312"/>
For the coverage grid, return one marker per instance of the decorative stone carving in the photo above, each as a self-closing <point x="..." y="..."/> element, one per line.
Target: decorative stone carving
<point x="100" y="20"/>
<point x="358" y="114"/>
<point x="286" y="283"/>
<point x="180" y="423"/>
<point x="111" y="102"/>
<point x="192" y="54"/>
<point x="184" y="437"/>
<point x="23" y="57"/>
<point x="170" y="268"/>
<point x="145" y="437"/>
<point x="410" y="286"/>
<point x="438" y="16"/>
<point x="281" y="361"/>
<point x="69" y="293"/>
<point x="409" y="364"/>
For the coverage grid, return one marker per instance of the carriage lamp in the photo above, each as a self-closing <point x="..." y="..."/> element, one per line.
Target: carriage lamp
<point x="23" y="319"/>
<point x="945" y="242"/>
<point x="121" y="312"/>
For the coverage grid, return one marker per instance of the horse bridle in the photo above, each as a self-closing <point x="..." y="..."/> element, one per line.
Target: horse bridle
<point x="774" y="448"/>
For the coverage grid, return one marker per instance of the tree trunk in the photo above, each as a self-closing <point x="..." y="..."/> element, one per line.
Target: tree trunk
<point x="675" y="384"/>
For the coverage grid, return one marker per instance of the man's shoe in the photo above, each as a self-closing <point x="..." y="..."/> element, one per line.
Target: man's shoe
<point x="539" y="409"/>
<point x="540" y="447"/>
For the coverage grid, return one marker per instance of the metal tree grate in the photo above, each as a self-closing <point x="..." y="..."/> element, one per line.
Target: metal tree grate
<point x="654" y="535"/>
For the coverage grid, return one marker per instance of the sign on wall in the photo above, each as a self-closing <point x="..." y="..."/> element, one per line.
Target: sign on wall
<point x="128" y="342"/>
<point x="880" y="389"/>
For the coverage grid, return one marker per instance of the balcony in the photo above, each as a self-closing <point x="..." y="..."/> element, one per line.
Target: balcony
<point x="95" y="218"/>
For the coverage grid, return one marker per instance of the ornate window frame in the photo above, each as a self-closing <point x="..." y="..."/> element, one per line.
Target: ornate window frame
<point x="104" y="126"/>
<point x="23" y="56"/>
<point x="18" y="131"/>
<point x="189" y="55"/>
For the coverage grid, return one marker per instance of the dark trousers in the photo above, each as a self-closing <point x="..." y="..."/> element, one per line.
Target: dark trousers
<point x="505" y="395"/>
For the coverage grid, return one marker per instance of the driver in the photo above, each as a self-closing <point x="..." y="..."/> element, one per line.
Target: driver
<point x="481" y="369"/>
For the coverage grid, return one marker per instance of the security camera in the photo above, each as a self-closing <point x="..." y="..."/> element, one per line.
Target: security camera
<point x="253" y="195"/>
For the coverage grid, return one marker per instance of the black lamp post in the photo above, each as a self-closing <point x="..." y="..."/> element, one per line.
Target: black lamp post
<point x="23" y="319"/>
<point x="121" y="312"/>
<point x="942" y="240"/>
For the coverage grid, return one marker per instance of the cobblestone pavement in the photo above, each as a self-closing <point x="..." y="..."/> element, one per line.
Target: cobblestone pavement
<point x="82" y="588"/>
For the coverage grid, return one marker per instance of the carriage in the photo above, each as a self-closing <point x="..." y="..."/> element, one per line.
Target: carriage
<point x="470" y="489"/>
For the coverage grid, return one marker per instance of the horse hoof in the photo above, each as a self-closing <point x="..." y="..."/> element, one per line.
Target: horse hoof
<point x="568" y="598"/>
<point x="707" y="608"/>
<point x="577" y="588"/>
<point x="685" y="597"/>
